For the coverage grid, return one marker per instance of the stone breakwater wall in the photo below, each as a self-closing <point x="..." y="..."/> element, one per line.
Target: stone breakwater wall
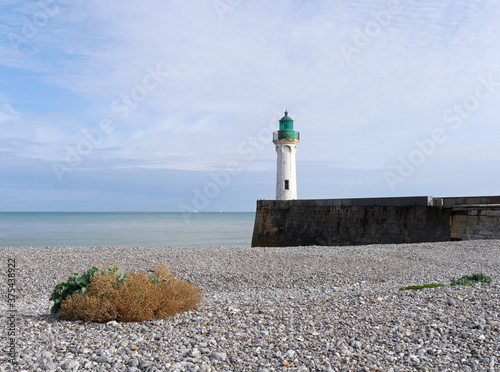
<point x="281" y="223"/>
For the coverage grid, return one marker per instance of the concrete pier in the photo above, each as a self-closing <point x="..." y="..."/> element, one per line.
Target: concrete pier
<point x="375" y="220"/>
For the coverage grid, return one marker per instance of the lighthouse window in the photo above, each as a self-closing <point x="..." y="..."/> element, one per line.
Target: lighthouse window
<point x="287" y="185"/>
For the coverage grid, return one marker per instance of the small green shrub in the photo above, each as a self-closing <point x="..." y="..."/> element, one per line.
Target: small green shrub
<point x="430" y="285"/>
<point x="471" y="279"/>
<point x="78" y="284"/>
<point x="112" y="295"/>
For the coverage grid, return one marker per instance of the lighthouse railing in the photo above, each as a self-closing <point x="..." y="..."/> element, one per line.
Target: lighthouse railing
<point x="284" y="134"/>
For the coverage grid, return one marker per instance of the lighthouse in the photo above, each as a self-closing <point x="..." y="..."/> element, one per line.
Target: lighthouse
<point x="286" y="140"/>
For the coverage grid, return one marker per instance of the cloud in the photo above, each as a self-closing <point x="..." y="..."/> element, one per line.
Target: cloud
<point x="7" y="113"/>
<point x="228" y="79"/>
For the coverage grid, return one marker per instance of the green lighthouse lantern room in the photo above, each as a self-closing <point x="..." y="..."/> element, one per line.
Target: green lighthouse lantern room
<point x="286" y="129"/>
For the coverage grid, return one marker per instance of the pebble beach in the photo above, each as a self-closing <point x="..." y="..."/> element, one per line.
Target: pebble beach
<point x="270" y="309"/>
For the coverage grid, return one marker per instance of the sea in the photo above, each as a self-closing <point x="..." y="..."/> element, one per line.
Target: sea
<point x="126" y="229"/>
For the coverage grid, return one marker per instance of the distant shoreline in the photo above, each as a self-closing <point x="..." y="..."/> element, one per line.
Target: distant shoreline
<point x="145" y="229"/>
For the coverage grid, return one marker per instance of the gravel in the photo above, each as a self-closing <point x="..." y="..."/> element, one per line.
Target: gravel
<point x="271" y="309"/>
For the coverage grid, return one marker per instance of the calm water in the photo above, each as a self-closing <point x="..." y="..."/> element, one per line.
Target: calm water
<point x="88" y="229"/>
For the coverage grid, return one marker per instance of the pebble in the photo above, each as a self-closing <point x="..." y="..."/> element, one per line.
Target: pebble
<point x="50" y="367"/>
<point x="70" y="365"/>
<point x="273" y="309"/>
<point x="103" y="359"/>
<point x="218" y="356"/>
<point x="145" y="364"/>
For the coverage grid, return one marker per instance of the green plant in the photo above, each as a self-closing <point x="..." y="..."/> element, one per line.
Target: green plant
<point x="430" y="285"/>
<point x="154" y="280"/>
<point x="464" y="280"/>
<point x="135" y="297"/>
<point x="471" y="279"/>
<point x="78" y="284"/>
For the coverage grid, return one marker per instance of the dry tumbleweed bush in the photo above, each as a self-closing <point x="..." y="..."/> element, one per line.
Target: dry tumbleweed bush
<point x="138" y="297"/>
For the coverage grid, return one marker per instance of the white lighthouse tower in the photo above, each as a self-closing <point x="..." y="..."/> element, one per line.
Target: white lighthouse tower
<point x="286" y="140"/>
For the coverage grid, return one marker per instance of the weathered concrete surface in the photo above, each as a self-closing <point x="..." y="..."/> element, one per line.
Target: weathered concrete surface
<point x="475" y="222"/>
<point x="402" y="201"/>
<point x="373" y="221"/>
<point x="466" y="200"/>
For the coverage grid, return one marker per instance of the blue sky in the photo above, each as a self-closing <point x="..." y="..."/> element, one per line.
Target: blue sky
<point x="162" y="106"/>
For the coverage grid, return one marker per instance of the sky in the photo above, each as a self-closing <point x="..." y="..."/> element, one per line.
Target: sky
<point x="170" y="105"/>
